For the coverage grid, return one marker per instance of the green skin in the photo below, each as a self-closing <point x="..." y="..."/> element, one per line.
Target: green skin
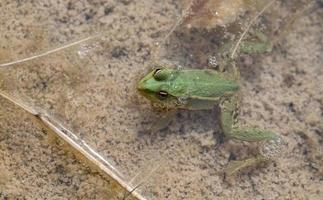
<point x="200" y="89"/>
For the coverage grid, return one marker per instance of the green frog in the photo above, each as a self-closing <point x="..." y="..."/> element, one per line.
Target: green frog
<point x="200" y="89"/>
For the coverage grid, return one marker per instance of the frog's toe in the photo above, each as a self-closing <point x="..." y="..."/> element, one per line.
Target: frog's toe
<point x="272" y="148"/>
<point x="239" y="165"/>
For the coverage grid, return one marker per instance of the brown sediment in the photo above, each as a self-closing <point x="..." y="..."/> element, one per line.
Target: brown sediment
<point x="94" y="95"/>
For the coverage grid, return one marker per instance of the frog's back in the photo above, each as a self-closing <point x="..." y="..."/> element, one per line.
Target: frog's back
<point x="198" y="83"/>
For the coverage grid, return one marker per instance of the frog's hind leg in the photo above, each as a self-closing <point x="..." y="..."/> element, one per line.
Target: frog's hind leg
<point x="260" y="44"/>
<point x="272" y="142"/>
<point x="270" y="148"/>
<point x="224" y="59"/>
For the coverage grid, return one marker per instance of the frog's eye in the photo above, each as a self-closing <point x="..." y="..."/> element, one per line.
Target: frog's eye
<point x="157" y="71"/>
<point x="162" y="95"/>
<point x="160" y="74"/>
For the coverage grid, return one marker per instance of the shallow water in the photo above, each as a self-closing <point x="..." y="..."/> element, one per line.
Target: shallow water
<point x="90" y="89"/>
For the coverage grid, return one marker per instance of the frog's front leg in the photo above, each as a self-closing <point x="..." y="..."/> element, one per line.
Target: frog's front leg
<point x="162" y="122"/>
<point x="271" y="141"/>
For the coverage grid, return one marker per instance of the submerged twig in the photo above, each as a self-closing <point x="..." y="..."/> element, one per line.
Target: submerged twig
<point x="61" y="131"/>
<point x="143" y="177"/>
<point x="74" y="141"/>
<point x="18" y="103"/>
<point x="49" y="52"/>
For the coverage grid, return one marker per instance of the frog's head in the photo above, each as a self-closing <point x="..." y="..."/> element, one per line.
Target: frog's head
<point x="157" y="87"/>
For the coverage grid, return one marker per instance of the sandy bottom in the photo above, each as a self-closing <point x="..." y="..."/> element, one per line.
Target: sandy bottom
<point x="90" y="88"/>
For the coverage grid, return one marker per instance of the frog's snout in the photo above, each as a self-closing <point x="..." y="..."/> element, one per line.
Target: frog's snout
<point x="141" y="84"/>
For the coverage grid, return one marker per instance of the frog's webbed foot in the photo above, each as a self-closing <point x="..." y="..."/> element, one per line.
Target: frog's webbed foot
<point x="271" y="148"/>
<point x="238" y="165"/>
